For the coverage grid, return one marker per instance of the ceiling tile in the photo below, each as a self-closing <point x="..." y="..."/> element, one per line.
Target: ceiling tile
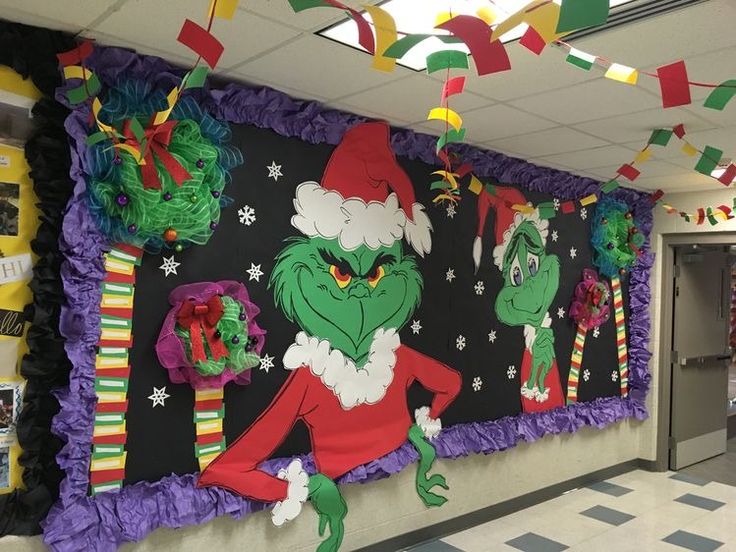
<point x="411" y="98"/>
<point x="589" y="158"/>
<point x="685" y="183"/>
<point x="107" y="40"/>
<point x="303" y="65"/>
<point x="313" y="19"/>
<point x="66" y="15"/>
<point x="588" y="101"/>
<point x="547" y="142"/>
<point x="244" y="37"/>
<point x="501" y="121"/>
<point x="635" y="126"/>
<point x="250" y="80"/>
<point x="648" y="169"/>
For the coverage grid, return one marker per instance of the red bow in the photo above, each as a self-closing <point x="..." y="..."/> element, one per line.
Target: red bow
<point x="199" y="319"/>
<point x="157" y="139"/>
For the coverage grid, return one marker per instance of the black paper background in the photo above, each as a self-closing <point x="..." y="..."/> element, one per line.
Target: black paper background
<point x="160" y="440"/>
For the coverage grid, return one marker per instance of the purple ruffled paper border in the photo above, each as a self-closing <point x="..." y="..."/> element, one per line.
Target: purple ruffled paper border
<point x="103" y="523"/>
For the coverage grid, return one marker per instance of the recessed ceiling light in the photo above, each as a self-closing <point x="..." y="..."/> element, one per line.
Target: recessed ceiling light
<point x="411" y="19"/>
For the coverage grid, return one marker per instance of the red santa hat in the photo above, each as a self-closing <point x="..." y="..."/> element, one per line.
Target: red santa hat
<point x="507" y="220"/>
<point x="365" y="197"/>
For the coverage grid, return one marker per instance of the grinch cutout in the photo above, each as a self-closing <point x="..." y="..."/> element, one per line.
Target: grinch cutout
<point x="350" y="287"/>
<point x="531" y="278"/>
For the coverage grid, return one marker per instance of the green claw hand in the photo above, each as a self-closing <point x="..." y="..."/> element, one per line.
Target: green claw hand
<point x="427" y="456"/>
<point x="331" y="509"/>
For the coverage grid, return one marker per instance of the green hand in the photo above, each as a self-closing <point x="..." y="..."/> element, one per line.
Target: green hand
<point x="543" y="351"/>
<point x="331" y="509"/>
<point x="427" y="456"/>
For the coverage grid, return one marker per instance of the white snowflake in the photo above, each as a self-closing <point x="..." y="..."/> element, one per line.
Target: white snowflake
<point x="274" y="171"/>
<point x="583" y="213"/>
<point x="556" y="204"/>
<point x="573" y="252"/>
<point x="596" y="332"/>
<point x="614" y="375"/>
<point x="477" y="383"/>
<point x="479" y="287"/>
<point x="561" y="313"/>
<point x="492" y="336"/>
<point x="254" y="272"/>
<point x="416" y="326"/>
<point x="158" y="396"/>
<point x="460" y="342"/>
<point x="451" y="212"/>
<point x="169" y="266"/>
<point x="247" y="215"/>
<point x="266" y="363"/>
<point x="554" y="235"/>
<point x="586" y="374"/>
<point x="450" y="274"/>
<point x="511" y="372"/>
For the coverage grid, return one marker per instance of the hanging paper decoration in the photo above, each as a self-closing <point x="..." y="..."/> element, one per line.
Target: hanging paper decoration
<point x="201" y="42"/>
<point x="578" y="14"/>
<point x="385" y="36"/>
<point x="590" y="309"/>
<point x="580" y="59"/>
<point x="489" y="55"/>
<point x="719" y="98"/>
<point x="74" y="68"/>
<point x="224" y="9"/>
<point x="622" y="73"/>
<point x="674" y="84"/>
<point x="209" y="338"/>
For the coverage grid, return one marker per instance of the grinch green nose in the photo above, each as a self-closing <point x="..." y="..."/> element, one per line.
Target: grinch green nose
<point x="359" y="290"/>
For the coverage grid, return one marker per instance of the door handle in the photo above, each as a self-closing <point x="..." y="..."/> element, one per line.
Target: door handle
<point x="696" y="361"/>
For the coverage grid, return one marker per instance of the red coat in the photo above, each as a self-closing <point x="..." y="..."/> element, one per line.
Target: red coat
<point x="341" y="439"/>
<point x="556" y="396"/>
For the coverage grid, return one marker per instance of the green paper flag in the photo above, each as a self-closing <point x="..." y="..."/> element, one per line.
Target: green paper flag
<point x="491" y="189"/>
<point x="86" y="90"/>
<point x="609" y="186"/>
<point x="439" y="185"/>
<point x="580" y="59"/>
<point x="546" y="210"/>
<point x="709" y="160"/>
<point x="577" y="14"/>
<point x="96" y="138"/>
<point x="137" y="129"/>
<point x="450" y="136"/>
<point x="398" y="49"/>
<point x="196" y="77"/>
<point x="660" y="137"/>
<point x="446" y="59"/>
<point x="721" y="95"/>
<point x="301" y="5"/>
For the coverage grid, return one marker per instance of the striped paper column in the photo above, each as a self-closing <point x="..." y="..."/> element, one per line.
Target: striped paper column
<point x="623" y="355"/>
<point x="209" y="412"/>
<point x="112" y="369"/>
<point x="575" y="362"/>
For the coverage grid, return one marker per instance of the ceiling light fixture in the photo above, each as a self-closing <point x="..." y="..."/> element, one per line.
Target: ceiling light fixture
<point x="413" y="20"/>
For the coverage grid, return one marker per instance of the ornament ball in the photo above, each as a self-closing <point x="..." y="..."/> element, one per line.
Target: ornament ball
<point x="170" y="235"/>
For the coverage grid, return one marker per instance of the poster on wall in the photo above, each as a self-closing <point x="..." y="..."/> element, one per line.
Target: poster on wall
<point x="282" y="308"/>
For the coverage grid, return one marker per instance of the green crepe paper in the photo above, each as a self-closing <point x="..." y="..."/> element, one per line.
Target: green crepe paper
<point x="427" y="455"/>
<point x="709" y="160"/>
<point x="609" y="186"/>
<point x="86" y="90"/>
<point x="721" y="95"/>
<point x="229" y="325"/>
<point x="577" y="14"/>
<point x="446" y="59"/>
<point x="195" y="78"/>
<point x="450" y="136"/>
<point x="331" y="509"/>
<point x="660" y="137"/>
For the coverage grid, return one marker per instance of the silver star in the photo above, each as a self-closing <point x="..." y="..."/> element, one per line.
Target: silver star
<point x="169" y="266"/>
<point x="266" y="363"/>
<point x="450" y="275"/>
<point x="554" y="235"/>
<point x="451" y="211"/>
<point x="274" y="171"/>
<point x="492" y="336"/>
<point x="573" y="252"/>
<point x="416" y="326"/>
<point x="158" y="396"/>
<point x="254" y="272"/>
<point x="560" y="313"/>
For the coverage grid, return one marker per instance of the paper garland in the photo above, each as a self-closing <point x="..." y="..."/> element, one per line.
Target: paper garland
<point x="112" y="369"/>
<point x="621" y="347"/>
<point x="209" y="414"/>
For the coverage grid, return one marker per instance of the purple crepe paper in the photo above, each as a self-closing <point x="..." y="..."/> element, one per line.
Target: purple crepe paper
<point x="170" y="349"/>
<point x="103" y="523"/>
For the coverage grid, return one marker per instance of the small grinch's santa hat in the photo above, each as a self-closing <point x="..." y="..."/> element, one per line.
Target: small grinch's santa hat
<point x="507" y="220"/>
<point x="353" y="203"/>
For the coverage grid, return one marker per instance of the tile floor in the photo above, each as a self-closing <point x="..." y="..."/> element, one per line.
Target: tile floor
<point x="635" y="512"/>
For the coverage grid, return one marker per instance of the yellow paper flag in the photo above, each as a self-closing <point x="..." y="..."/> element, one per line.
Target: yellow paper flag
<point x="486" y="14"/>
<point x="622" y="73"/>
<point x="441" y="18"/>
<point x="77" y="72"/>
<point x="540" y="14"/>
<point x="449" y="177"/>
<point x="476" y="186"/>
<point x="524" y="209"/>
<point x="96" y="107"/>
<point x="162" y="116"/>
<point x="689" y="150"/>
<point x="446" y="114"/>
<point x="587" y="200"/>
<point x="224" y="9"/>
<point x="385" y="36"/>
<point x="643" y="155"/>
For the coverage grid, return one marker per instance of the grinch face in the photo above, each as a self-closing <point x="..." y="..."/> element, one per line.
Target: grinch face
<point x="531" y="278"/>
<point x="345" y="296"/>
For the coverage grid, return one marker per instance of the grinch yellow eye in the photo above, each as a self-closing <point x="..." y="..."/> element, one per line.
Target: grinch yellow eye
<point x="374" y="278"/>
<point x="343" y="280"/>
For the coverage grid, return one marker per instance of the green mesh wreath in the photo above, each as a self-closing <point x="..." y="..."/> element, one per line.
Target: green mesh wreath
<point x="616" y="240"/>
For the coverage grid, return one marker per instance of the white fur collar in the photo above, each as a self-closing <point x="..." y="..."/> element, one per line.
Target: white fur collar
<point x="530" y="332"/>
<point x="352" y="386"/>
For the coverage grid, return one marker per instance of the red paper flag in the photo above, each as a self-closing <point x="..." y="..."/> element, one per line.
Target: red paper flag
<point x="656" y="196"/>
<point x="201" y="42"/>
<point x="679" y="131"/>
<point x="628" y="172"/>
<point x="490" y="57"/>
<point x="728" y="175"/>
<point x="701" y="216"/>
<point x="452" y="86"/>
<point x="568" y="207"/>
<point x="673" y="83"/>
<point x="76" y="55"/>
<point x="463" y="169"/>
<point x="533" y="41"/>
